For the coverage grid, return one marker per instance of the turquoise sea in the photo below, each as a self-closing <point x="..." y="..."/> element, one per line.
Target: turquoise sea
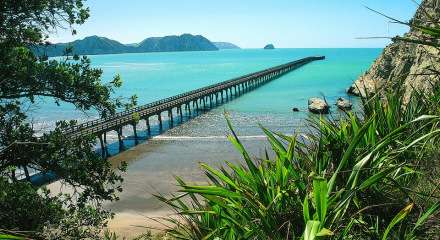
<point x="177" y="151"/>
<point x="153" y="76"/>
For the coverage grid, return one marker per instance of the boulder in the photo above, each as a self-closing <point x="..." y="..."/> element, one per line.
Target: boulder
<point x="295" y="109"/>
<point x="343" y="104"/>
<point x="318" y="105"/>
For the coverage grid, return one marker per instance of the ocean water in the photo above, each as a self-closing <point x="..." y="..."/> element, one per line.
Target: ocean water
<point x="153" y="76"/>
<point x="177" y="151"/>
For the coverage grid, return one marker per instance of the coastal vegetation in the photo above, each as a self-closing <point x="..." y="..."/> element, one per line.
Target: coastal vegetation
<point x="25" y="79"/>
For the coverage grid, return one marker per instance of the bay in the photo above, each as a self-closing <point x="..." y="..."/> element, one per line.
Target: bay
<point x="177" y="151"/>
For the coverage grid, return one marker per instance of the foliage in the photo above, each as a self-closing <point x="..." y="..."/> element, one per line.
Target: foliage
<point x="145" y="236"/>
<point x="46" y="208"/>
<point x="25" y="79"/>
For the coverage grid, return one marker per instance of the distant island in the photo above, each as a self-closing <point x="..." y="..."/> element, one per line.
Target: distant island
<point x="225" y="45"/>
<point x="93" y="45"/>
<point x="269" y="46"/>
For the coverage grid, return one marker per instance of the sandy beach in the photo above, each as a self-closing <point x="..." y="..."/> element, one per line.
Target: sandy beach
<point x="132" y="224"/>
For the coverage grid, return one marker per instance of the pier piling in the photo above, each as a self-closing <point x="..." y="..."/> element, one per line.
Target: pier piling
<point x="121" y="142"/>
<point x="159" y="118"/>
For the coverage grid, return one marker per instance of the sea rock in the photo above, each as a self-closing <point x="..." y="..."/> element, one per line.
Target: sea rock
<point x="318" y="105"/>
<point x="269" y="46"/>
<point x="344" y="104"/>
<point x="295" y="109"/>
<point x="404" y="64"/>
<point x="352" y="90"/>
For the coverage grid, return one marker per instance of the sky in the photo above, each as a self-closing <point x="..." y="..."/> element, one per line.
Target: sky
<point x="247" y="23"/>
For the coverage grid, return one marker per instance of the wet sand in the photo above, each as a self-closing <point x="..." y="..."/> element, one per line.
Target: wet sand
<point x="151" y="170"/>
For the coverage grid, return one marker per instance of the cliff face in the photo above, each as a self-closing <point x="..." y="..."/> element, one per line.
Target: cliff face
<point x="404" y="62"/>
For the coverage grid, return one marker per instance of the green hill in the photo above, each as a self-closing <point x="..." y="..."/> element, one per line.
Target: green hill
<point x="185" y="42"/>
<point x="93" y="45"/>
<point x="225" y="45"/>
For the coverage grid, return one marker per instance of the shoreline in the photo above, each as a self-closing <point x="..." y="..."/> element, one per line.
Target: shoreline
<point x="131" y="224"/>
<point x="151" y="170"/>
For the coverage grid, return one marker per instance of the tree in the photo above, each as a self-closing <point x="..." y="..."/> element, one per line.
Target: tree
<point x="24" y="77"/>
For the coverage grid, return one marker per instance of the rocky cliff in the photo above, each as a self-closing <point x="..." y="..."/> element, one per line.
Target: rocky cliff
<point x="402" y="62"/>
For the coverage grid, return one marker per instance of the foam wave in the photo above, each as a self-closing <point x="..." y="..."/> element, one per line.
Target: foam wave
<point x="191" y="138"/>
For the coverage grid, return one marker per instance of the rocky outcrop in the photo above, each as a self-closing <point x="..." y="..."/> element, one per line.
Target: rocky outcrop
<point x="343" y="104"/>
<point x="318" y="105"/>
<point x="269" y="46"/>
<point x="404" y="63"/>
